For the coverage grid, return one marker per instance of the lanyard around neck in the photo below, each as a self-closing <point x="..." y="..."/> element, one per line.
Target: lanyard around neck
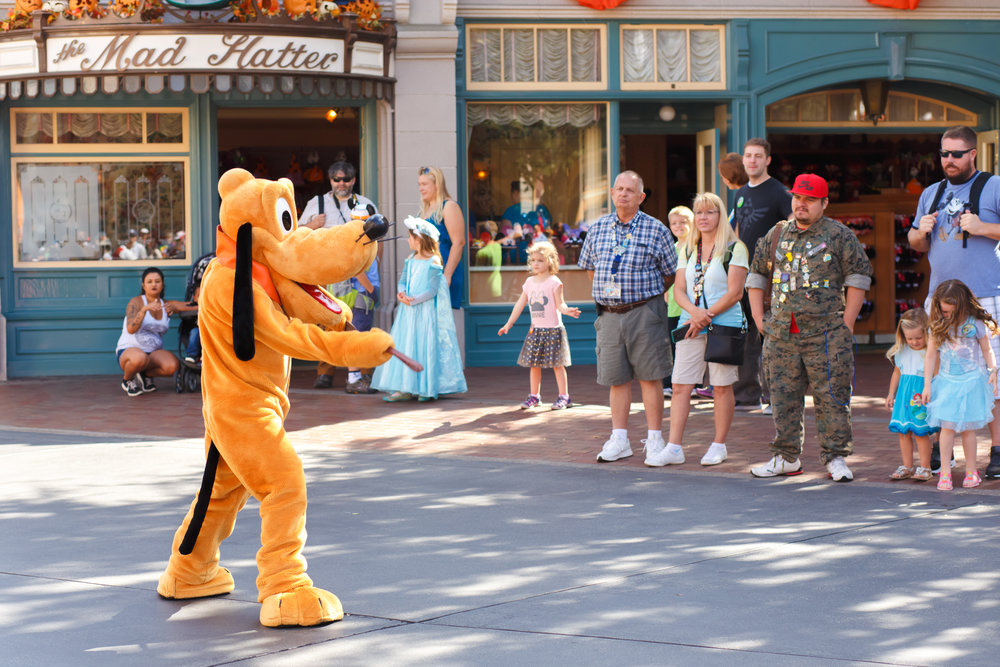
<point x="622" y="246"/>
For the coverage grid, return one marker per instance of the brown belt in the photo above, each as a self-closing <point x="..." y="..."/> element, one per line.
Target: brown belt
<point x="624" y="308"/>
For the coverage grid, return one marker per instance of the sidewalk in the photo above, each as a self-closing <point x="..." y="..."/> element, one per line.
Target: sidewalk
<point x="466" y="532"/>
<point x="485" y="421"/>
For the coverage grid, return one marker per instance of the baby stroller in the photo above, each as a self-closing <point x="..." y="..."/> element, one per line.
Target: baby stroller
<point x="188" y="376"/>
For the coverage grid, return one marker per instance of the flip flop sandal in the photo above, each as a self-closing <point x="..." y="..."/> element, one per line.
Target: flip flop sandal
<point x="972" y="480"/>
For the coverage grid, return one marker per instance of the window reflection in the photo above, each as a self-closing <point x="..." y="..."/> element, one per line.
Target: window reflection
<point x="535" y="171"/>
<point x="101" y="211"/>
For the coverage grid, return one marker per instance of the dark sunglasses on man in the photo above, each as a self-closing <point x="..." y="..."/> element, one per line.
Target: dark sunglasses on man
<point x="954" y="154"/>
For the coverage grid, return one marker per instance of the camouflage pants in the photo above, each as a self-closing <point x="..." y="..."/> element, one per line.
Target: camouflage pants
<point x="826" y="362"/>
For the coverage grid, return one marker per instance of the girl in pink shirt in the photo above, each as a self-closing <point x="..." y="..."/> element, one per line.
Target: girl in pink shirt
<point x="546" y="345"/>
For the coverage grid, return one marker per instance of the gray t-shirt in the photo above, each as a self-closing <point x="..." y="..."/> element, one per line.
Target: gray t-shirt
<point x="976" y="265"/>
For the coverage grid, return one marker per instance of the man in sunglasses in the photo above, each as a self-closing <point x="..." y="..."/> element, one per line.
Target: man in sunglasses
<point x="960" y="241"/>
<point x="328" y="210"/>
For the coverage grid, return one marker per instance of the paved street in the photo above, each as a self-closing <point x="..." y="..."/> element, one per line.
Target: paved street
<point x="465" y="531"/>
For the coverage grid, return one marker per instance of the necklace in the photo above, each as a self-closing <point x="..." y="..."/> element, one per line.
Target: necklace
<point x="700" y="270"/>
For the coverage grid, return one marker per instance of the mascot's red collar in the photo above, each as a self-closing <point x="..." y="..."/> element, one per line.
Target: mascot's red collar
<point x="225" y="252"/>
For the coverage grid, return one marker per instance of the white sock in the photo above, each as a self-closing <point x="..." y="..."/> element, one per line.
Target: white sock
<point x="650" y="434"/>
<point x="720" y="444"/>
<point x="673" y="446"/>
<point x="353" y="376"/>
<point x="619" y="433"/>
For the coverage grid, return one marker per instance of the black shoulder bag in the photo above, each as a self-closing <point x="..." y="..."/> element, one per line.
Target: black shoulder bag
<point x="725" y="344"/>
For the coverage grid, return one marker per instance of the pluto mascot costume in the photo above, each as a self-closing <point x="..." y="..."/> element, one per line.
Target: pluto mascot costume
<point x="260" y="305"/>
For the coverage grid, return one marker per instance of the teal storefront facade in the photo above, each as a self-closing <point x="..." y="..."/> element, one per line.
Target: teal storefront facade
<point x="765" y="63"/>
<point x="63" y="284"/>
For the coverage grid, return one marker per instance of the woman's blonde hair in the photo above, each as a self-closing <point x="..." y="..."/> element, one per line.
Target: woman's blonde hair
<point x="434" y="208"/>
<point x="956" y="293"/>
<point x="548" y="252"/>
<point x="914" y="318"/>
<point x="724" y="235"/>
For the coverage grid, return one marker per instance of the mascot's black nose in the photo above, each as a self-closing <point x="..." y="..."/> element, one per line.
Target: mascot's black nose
<point x="376" y="226"/>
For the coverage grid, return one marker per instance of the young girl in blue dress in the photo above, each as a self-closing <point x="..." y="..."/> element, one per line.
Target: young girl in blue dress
<point x="909" y="416"/>
<point x="960" y="374"/>
<point x="424" y="328"/>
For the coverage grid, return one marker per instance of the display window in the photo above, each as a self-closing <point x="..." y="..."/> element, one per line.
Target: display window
<point x="536" y="172"/>
<point x="80" y="197"/>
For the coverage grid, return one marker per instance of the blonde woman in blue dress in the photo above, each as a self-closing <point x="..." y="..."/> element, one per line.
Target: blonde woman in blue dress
<point x="424" y="328"/>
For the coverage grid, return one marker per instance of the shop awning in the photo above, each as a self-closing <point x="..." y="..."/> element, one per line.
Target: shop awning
<point x="268" y="84"/>
<point x="273" y="55"/>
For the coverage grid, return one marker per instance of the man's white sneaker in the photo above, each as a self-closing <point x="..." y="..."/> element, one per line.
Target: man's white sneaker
<point x="777" y="467"/>
<point x="715" y="455"/>
<point x="839" y="472"/>
<point x="614" y="449"/>
<point x="653" y="446"/>
<point x="669" y="455"/>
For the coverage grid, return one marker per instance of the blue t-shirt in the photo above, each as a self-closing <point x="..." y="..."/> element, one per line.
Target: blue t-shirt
<point x="976" y="265"/>
<point x="715" y="286"/>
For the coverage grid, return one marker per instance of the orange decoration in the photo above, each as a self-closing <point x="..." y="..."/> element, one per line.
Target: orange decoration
<point x="601" y="4"/>
<point x="896" y="4"/>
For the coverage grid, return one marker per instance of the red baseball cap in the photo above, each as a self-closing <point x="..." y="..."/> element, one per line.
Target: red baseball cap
<point x="810" y="185"/>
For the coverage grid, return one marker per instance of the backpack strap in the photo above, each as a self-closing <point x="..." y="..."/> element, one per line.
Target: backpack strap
<point x="322" y="203"/>
<point x="775" y="238"/>
<point x="727" y="257"/>
<point x="937" y="196"/>
<point x="977" y="191"/>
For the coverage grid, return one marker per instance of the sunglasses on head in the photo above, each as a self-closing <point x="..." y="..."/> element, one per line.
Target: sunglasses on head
<point x="954" y="154"/>
<point x="424" y="170"/>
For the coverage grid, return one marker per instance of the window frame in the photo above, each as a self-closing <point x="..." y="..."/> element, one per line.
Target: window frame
<point x="90" y="264"/>
<point x="184" y="146"/>
<point x="548" y="86"/>
<point x="864" y="122"/>
<point x="720" y="28"/>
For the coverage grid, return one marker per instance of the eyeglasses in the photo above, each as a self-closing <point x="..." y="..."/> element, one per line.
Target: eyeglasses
<point x="341" y="179"/>
<point x="954" y="154"/>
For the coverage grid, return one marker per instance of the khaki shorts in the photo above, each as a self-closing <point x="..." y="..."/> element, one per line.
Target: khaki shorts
<point x="689" y="366"/>
<point x="633" y="345"/>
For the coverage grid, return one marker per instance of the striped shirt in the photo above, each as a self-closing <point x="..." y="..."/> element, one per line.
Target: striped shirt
<point x="648" y="259"/>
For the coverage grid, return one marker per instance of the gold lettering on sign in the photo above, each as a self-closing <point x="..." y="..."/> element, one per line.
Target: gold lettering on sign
<point x="71" y="50"/>
<point x="114" y="56"/>
<point x="244" y="50"/>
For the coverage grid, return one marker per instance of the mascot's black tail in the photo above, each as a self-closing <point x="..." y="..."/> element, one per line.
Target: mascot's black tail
<point x="201" y="506"/>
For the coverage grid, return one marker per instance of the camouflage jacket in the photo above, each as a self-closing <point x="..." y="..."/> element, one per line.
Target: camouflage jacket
<point x="811" y="268"/>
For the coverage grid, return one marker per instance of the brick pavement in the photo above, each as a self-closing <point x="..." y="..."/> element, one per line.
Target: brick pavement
<point x="484" y="422"/>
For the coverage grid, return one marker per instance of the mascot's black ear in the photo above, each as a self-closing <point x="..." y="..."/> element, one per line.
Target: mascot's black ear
<point x="243" y="338"/>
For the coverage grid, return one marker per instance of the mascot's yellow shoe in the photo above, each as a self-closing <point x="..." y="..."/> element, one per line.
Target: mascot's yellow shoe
<point x="304" y="606"/>
<point x="172" y="588"/>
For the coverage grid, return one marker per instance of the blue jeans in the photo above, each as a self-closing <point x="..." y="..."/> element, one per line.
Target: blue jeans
<point x="194" y="344"/>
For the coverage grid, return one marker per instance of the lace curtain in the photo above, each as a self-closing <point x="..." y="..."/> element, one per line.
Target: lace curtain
<point x="550" y="115"/>
<point x="35" y="127"/>
<point x="664" y="57"/>
<point x="509" y="55"/>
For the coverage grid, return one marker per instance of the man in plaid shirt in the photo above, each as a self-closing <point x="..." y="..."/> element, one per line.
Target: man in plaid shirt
<point x="631" y="260"/>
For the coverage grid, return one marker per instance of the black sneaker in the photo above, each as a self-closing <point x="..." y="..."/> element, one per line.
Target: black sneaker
<point x="993" y="469"/>
<point x="147" y="383"/>
<point x="323" y="382"/>
<point x="132" y="386"/>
